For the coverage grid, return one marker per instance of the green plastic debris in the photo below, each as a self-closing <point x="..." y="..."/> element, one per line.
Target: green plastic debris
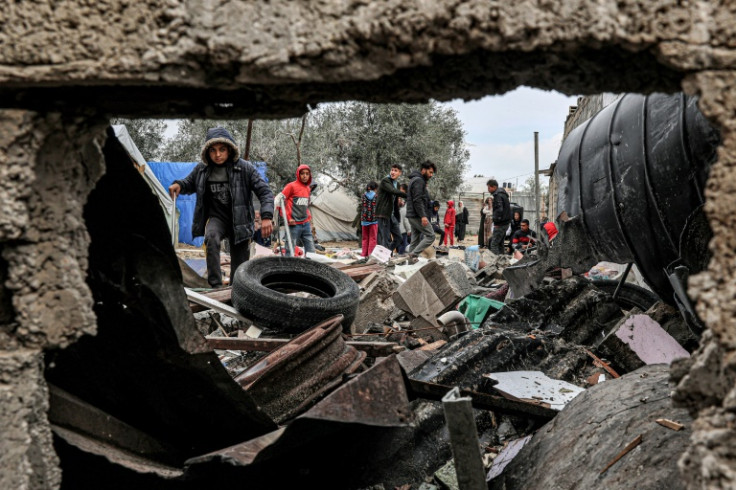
<point x="476" y="308"/>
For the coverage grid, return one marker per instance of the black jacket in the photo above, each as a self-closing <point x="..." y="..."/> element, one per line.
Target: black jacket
<point x="244" y="182"/>
<point x="417" y="199"/>
<point x="387" y="195"/>
<point x="501" y="207"/>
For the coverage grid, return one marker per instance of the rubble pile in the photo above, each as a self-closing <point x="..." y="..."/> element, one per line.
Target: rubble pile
<point x="163" y="398"/>
<point x="556" y="334"/>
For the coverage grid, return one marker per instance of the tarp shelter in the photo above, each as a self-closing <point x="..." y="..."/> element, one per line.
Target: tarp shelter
<point x="333" y="211"/>
<point x="167" y="173"/>
<point x="121" y="133"/>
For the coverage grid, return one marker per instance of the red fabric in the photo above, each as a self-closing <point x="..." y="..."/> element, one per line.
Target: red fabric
<point x="297" y="194"/>
<point x="551" y="229"/>
<point x="450" y="223"/>
<point x="370" y="234"/>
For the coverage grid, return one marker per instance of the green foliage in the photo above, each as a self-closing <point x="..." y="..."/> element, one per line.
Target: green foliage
<point x="356" y="142"/>
<point x="147" y="134"/>
<point x="353" y="142"/>
<point x="530" y="185"/>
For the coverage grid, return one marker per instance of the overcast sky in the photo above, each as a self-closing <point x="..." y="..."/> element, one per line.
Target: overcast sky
<point x="500" y="131"/>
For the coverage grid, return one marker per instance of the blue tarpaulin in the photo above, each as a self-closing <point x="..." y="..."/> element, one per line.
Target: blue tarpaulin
<point x="167" y="173"/>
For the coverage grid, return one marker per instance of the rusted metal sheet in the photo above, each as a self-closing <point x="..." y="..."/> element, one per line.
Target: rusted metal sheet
<point x="294" y="376"/>
<point x="358" y="272"/>
<point x="372" y="349"/>
<point x="148" y="365"/>
<point x="375" y="398"/>
<point x="500" y="404"/>
<point x="97" y="432"/>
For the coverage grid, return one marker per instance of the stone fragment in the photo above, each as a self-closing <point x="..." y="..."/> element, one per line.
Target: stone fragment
<point x="433" y="290"/>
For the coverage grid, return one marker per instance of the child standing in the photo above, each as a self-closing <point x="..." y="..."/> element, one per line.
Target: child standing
<point x="295" y="197"/>
<point x="368" y="219"/>
<point x="450" y="223"/>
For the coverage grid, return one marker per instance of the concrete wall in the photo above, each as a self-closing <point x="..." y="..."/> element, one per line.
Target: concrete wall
<point x="67" y="65"/>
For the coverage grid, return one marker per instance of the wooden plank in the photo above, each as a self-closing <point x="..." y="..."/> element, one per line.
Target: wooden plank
<point x="623" y="453"/>
<point x="223" y="295"/>
<point x="373" y="349"/>
<point x="218" y="306"/>
<point x="670" y="424"/>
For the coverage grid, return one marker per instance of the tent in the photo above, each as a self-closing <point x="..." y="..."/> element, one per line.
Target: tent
<point x="167" y="173"/>
<point x="121" y="133"/>
<point x="333" y="211"/>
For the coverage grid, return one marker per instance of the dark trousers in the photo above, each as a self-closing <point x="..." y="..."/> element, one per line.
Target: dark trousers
<point x="404" y="243"/>
<point x="499" y="234"/>
<point x="439" y="230"/>
<point x="389" y="233"/>
<point x="460" y="231"/>
<point x="215" y="231"/>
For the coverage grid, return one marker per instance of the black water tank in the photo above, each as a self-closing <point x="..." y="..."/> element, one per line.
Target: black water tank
<point x="636" y="173"/>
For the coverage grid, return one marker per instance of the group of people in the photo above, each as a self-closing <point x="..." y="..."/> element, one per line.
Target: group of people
<point x="497" y="223"/>
<point x="225" y="185"/>
<point x="403" y="218"/>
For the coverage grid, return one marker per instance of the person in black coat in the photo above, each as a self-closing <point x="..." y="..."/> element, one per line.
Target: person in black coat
<point x="461" y="221"/>
<point x="225" y="185"/>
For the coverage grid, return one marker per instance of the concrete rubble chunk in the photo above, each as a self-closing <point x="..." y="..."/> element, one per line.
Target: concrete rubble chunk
<point x="639" y="340"/>
<point x="376" y="301"/>
<point x="433" y="290"/>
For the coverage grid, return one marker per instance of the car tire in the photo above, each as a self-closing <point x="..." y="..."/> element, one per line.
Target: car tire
<point x="261" y="291"/>
<point x="630" y="295"/>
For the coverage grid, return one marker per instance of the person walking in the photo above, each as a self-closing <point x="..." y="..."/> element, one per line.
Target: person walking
<point x="501" y="215"/>
<point x="389" y="233"/>
<point x="450" y="223"/>
<point x="368" y="220"/>
<point x="225" y="184"/>
<point x="417" y="209"/>
<point x="403" y="226"/>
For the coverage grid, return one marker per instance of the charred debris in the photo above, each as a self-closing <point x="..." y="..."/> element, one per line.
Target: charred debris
<point x="426" y="375"/>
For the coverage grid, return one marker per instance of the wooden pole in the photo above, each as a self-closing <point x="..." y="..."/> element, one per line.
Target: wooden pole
<point x="536" y="179"/>
<point x="247" y="139"/>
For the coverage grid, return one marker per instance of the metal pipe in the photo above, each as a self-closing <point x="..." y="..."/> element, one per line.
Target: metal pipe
<point x="464" y="441"/>
<point x="286" y="230"/>
<point x="536" y="181"/>
<point x="622" y="280"/>
<point x="174" y="238"/>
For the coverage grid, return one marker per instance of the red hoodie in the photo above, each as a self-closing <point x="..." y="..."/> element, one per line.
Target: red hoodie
<point x="450" y="215"/>
<point x="297" y="198"/>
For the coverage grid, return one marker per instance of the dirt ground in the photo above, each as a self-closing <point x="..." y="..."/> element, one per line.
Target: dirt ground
<point x="353" y="244"/>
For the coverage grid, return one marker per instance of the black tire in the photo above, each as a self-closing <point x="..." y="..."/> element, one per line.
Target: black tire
<point x="630" y="295"/>
<point x="261" y="287"/>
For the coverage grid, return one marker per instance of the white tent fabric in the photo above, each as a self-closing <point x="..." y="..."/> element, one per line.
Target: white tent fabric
<point x="333" y="211"/>
<point x="121" y="133"/>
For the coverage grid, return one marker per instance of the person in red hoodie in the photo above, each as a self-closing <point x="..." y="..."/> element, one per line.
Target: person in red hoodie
<point x="450" y="223"/>
<point x="295" y="197"/>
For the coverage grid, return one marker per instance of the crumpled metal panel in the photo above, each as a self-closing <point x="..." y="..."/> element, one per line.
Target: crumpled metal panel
<point x="375" y="398"/>
<point x="292" y="377"/>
